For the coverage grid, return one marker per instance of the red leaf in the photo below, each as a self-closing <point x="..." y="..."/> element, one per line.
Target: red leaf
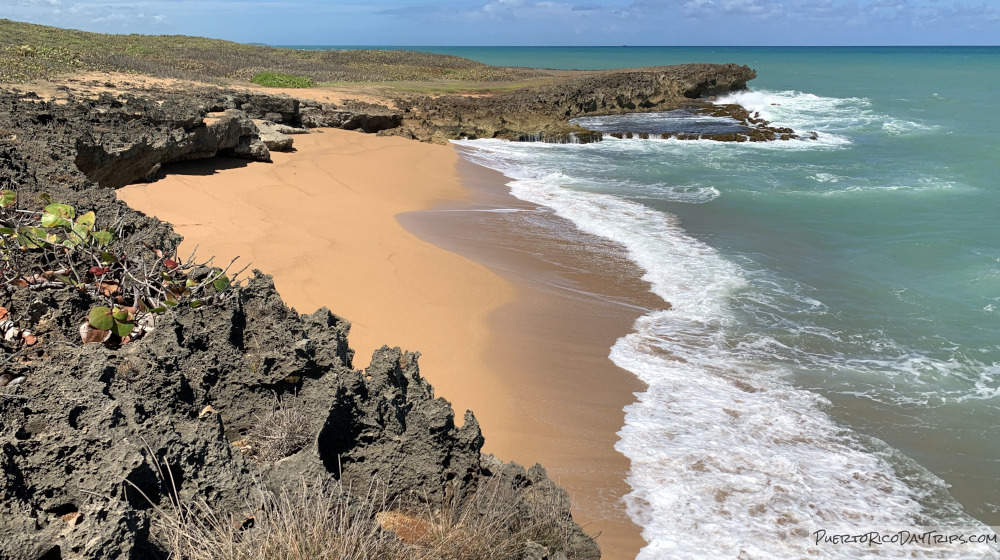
<point x="3" y="313"/>
<point x="170" y="263"/>
<point x="98" y="271"/>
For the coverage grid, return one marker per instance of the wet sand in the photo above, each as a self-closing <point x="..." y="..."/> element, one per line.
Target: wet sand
<point x="575" y="295"/>
<point x="521" y="339"/>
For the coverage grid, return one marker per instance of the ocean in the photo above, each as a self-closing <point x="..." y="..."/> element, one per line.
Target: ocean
<point x="830" y="361"/>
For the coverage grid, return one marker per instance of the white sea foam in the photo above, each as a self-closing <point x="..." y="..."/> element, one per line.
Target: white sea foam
<point x="729" y="460"/>
<point x="832" y="117"/>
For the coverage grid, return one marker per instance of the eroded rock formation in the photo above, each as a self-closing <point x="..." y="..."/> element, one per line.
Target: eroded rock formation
<point x="93" y="438"/>
<point x="544" y="111"/>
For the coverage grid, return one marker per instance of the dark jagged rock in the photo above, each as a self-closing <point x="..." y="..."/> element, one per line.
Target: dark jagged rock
<point x="360" y="116"/>
<point x="96" y="436"/>
<point x="118" y="140"/>
<point x="126" y="153"/>
<point x="743" y="127"/>
<point x="546" y="110"/>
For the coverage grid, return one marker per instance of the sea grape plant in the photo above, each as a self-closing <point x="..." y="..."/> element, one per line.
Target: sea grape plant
<point x="59" y="248"/>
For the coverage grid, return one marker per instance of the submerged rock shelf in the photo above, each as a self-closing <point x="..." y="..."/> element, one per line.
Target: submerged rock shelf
<point x="722" y="123"/>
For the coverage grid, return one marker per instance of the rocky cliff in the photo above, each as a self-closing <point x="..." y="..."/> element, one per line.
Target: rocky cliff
<point x="165" y="405"/>
<point x="98" y="439"/>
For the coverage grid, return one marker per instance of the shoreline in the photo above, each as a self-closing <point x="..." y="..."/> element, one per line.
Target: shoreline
<point x="556" y="400"/>
<point x="575" y="295"/>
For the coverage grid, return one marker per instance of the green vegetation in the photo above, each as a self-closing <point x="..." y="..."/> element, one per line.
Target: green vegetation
<point x="274" y="79"/>
<point x="29" y="51"/>
<point x="56" y="248"/>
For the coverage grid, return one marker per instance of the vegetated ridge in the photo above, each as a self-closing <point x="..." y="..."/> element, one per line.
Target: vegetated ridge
<point x="425" y="90"/>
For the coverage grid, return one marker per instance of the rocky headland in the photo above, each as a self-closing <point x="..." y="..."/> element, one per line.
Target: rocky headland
<point x="109" y="420"/>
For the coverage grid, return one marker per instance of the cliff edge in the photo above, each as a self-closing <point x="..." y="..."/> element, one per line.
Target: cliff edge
<point x="198" y="393"/>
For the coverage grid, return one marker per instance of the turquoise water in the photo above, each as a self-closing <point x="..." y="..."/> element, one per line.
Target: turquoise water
<point x="832" y="355"/>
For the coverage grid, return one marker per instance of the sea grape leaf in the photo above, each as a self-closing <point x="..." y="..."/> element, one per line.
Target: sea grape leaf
<point x="221" y="283"/>
<point x="50" y="220"/>
<point x="86" y="221"/>
<point x="64" y="211"/>
<point x="90" y="335"/>
<point x="101" y="318"/>
<point x="7" y="231"/>
<point x="103" y="238"/>
<point x="31" y="237"/>
<point x="7" y="198"/>
<point x="82" y="233"/>
<point x="123" y="329"/>
<point x="106" y="257"/>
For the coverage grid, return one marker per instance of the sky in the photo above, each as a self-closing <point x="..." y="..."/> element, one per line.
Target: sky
<point x="533" y="22"/>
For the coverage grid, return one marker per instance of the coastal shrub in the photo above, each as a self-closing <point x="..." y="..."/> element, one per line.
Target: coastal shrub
<point x="59" y="248"/>
<point x="274" y="79"/>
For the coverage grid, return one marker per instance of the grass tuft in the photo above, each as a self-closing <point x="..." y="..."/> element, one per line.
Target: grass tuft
<point x="307" y="523"/>
<point x="279" y="434"/>
<point x="310" y="522"/>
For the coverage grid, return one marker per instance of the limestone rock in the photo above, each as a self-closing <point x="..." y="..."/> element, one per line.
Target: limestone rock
<point x="274" y="135"/>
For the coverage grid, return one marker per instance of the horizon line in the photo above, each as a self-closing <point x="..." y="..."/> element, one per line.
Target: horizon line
<point x="383" y="45"/>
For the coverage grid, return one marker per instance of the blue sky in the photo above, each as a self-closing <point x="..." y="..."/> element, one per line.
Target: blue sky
<point x="534" y="22"/>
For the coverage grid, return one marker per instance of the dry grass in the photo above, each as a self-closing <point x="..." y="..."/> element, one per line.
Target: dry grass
<point x="496" y="523"/>
<point x="278" y="434"/>
<point x="309" y="523"/>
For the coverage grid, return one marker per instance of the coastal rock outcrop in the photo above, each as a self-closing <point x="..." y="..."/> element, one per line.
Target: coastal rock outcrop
<point x="98" y="440"/>
<point x="118" y="140"/>
<point x="282" y="109"/>
<point x="124" y="152"/>
<point x="544" y="111"/>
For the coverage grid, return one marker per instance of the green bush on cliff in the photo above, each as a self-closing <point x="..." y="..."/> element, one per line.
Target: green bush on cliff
<point x="274" y="79"/>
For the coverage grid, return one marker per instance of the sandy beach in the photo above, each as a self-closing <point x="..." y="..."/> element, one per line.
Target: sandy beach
<point x="523" y="341"/>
